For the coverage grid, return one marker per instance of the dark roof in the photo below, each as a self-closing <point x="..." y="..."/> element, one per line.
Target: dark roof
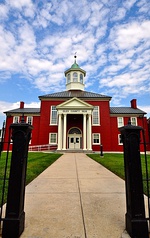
<point x="24" y="110"/>
<point x="74" y="93"/>
<point x="125" y="110"/>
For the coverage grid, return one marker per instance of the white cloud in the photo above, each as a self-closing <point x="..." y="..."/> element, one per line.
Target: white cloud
<point x="119" y="14"/>
<point x="130" y="35"/>
<point x="3" y="11"/>
<point x="43" y="36"/>
<point x="128" y="4"/>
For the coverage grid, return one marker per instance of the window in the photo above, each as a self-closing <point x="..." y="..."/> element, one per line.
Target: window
<point x="120" y="121"/>
<point x="134" y="121"/>
<point x="81" y="78"/>
<point x="29" y="120"/>
<point x="75" y="77"/>
<point x="119" y="140"/>
<point x="53" y="115"/>
<point x="95" y="117"/>
<point x="96" y="138"/>
<point x="53" y="138"/>
<point x="68" y="78"/>
<point x="15" y="119"/>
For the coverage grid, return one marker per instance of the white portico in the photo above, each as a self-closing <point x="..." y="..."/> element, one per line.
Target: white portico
<point x="74" y="125"/>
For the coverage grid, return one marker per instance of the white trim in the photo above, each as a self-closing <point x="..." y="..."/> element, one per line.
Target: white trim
<point x="31" y="120"/>
<point x="120" y="123"/>
<point x="134" y="124"/>
<point x="119" y="140"/>
<point x="16" y="121"/>
<point x="98" y="114"/>
<point x="51" y="123"/>
<point x="99" y="138"/>
<point x="50" y="142"/>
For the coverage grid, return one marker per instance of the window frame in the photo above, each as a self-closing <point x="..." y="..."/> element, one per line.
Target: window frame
<point x="81" y="78"/>
<point x="69" y="78"/>
<point x="132" y="121"/>
<point x="28" y="120"/>
<point x="99" y="138"/>
<point x="50" y="138"/>
<point x="94" y="116"/>
<point x="75" y="78"/>
<point x="16" y="121"/>
<point x="52" y="116"/>
<point x="119" y="140"/>
<point x="120" y="124"/>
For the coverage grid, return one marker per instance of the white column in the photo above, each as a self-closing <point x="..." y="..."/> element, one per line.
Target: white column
<point x="84" y="132"/>
<point x="89" y="133"/>
<point x="59" y="132"/>
<point x="64" y="132"/>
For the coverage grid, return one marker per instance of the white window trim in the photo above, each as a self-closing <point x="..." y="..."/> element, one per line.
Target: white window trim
<point x="31" y="119"/>
<point x="135" y="121"/>
<point x="51" y="116"/>
<point x="93" y="138"/>
<point x="30" y="139"/>
<point x="14" y="119"/>
<point x="118" y="122"/>
<point x="119" y="143"/>
<point x="52" y="143"/>
<point x="98" y="124"/>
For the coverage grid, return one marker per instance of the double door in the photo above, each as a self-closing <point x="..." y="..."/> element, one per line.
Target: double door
<point x="74" y="141"/>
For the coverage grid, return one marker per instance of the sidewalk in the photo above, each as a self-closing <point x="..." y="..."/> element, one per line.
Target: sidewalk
<point x="75" y="198"/>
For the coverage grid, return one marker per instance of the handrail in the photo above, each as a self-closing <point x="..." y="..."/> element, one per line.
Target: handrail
<point x="42" y="147"/>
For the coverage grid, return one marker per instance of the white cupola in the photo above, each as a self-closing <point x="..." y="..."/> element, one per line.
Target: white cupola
<point x="75" y="77"/>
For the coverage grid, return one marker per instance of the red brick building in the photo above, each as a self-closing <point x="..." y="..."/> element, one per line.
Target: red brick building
<point x="76" y="119"/>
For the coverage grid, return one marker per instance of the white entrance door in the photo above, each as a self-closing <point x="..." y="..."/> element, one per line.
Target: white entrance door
<point x="74" y="142"/>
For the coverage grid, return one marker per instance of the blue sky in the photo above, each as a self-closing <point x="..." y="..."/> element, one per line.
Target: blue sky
<point x="38" y="40"/>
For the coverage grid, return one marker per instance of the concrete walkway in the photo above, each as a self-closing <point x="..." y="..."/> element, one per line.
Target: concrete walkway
<point x="75" y="198"/>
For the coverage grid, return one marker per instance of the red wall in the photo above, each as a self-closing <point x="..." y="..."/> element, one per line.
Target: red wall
<point x="108" y="128"/>
<point x="44" y="127"/>
<point x="104" y="128"/>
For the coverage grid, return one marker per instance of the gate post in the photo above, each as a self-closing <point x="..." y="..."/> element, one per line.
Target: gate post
<point x="13" y="224"/>
<point x="136" y="223"/>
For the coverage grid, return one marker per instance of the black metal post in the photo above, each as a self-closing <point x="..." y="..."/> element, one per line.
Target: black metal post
<point x="136" y="223"/>
<point x="101" y="151"/>
<point x="13" y="224"/>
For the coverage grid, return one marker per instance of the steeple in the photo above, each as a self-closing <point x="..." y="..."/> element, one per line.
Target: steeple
<point x="75" y="77"/>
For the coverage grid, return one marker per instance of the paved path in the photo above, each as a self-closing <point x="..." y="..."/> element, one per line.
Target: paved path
<point x="75" y="198"/>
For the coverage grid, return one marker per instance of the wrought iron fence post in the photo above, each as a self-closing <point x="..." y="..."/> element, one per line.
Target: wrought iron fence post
<point x="136" y="223"/>
<point x="13" y="224"/>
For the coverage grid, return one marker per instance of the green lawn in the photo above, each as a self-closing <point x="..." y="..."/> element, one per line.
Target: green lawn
<point x="115" y="163"/>
<point x="37" y="163"/>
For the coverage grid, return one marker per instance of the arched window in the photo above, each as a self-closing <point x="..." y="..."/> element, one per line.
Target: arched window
<point x="81" y="78"/>
<point x="74" y="130"/>
<point x="68" y="78"/>
<point x="75" y="77"/>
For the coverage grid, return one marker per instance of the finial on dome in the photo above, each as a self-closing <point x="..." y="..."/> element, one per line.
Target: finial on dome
<point x="75" y="56"/>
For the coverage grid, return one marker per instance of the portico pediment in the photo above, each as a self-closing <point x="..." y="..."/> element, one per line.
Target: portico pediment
<point x="74" y="103"/>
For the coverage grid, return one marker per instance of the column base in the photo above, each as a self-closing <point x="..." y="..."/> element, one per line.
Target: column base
<point x="13" y="227"/>
<point x="137" y="228"/>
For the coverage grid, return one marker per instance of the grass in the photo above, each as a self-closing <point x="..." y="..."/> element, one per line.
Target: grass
<point x="115" y="163"/>
<point x="37" y="163"/>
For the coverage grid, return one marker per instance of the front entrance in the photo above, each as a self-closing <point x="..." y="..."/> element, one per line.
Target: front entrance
<point x="74" y="139"/>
